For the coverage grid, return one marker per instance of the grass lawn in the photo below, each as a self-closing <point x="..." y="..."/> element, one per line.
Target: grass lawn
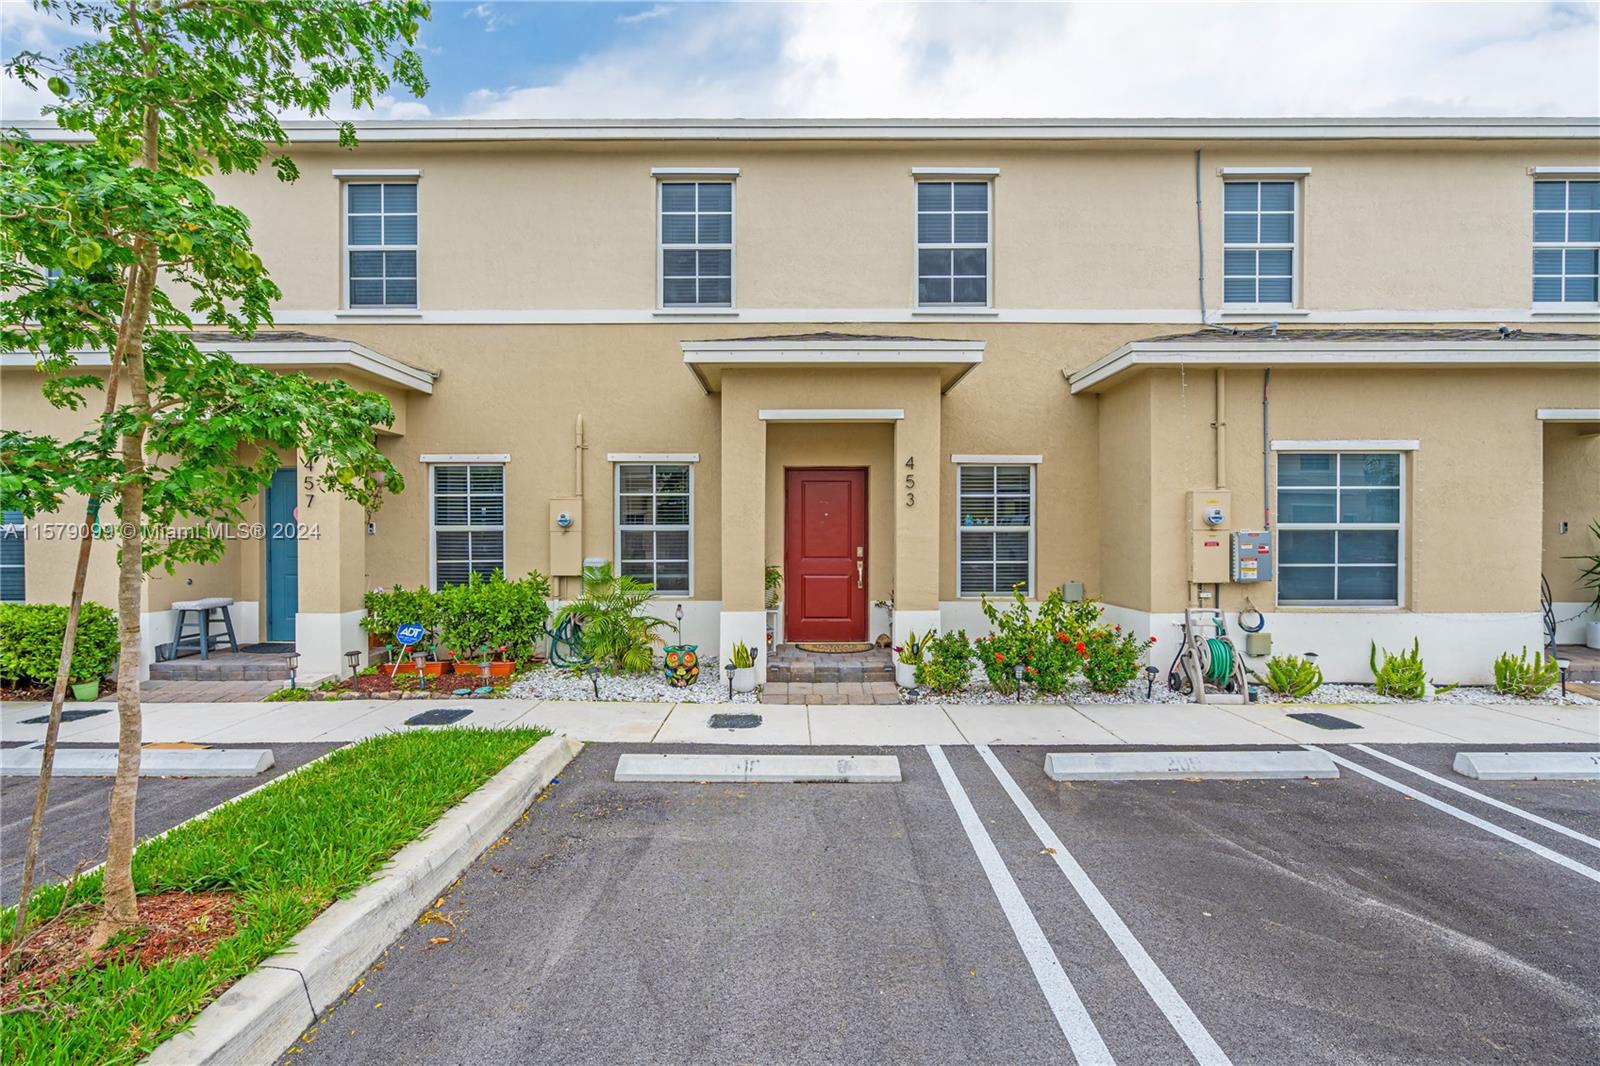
<point x="286" y="853"/>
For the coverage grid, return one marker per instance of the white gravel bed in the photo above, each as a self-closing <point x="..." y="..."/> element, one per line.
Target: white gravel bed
<point x="551" y="683"/>
<point x="1332" y="692"/>
<point x="980" y="691"/>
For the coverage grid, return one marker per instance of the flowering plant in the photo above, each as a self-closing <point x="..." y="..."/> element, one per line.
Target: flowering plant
<point x="1111" y="657"/>
<point x="1042" y="643"/>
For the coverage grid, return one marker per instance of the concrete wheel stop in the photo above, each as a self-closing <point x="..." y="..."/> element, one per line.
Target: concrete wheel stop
<point x="1529" y="765"/>
<point x="792" y="769"/>
<point x="153" y="762"/>
<point x="1208" y="764"/>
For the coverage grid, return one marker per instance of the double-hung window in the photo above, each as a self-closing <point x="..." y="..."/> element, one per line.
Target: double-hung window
<point x="953" y="243"/>
<point x="380" y="232"/>
<point x="469" y="521"/>
<point x="13" y="587"/>
<point x="1566" y="242"/>
<point x="1339" y="528"/>
<point x="696" y="249"/>
<point x="1258" y="242"/>
<point x="654" y="524"/>
<point x="994" y="529"/>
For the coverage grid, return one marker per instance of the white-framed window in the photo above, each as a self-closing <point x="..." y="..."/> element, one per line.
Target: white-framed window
<point x="13" y="585"/>
<point x="1340" y="528"/>
<point x="469" y="521"/>
<point x="695" y="250"/>
<point x="994" y="528"/>
<point x="380" y="244"/>
<point x="1259" y="235"/>
<point x="953" y="243"/>
<point x="655" y="524"/>
<point x="1566" y="241"/>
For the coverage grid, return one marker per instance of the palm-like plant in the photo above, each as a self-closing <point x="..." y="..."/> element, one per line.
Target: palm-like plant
<point x="612" y="633"/>
<point x="1589" y="576"/>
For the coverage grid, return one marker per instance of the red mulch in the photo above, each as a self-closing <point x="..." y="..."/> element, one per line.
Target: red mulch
<point x="171" y="925"/>
<point x="108" y="691"/>
<point x="440" y="685"/>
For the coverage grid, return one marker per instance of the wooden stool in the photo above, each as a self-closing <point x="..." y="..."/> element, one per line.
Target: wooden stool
<point x="202" y="620"/>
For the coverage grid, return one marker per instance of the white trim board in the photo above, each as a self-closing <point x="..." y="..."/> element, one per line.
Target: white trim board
<point x="377" y="172"/>
<point x="955" y="172"/>
<point x="831" y="414"/>
<point x="1034" y="460"/>
<point x="652" y="457"/>
<point x="453" y="457"/>
<point x="297" y="354"/>
<point x="1569" y="414"/>
<point x="1264" y="172"/>
<point x="1585" y="172"/>
<point x="694" y="172"/>
<point x="1346" y="445"/>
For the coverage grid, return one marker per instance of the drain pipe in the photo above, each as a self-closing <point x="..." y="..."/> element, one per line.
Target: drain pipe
<point x="1200" y="237"/>
<point x="1266" y="448"/>
<point x="577" y="459"/>
<point x="1221" y="426"/>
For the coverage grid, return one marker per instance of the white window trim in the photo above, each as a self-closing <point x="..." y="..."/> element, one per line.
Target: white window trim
<point x="694" y="172"/>
<point x="955" y="172"/>
<point x="1264" y="172"/>
<point x="434" y="528"/>
<point x="1399" y="528"/>
<point x="1569" y="414"/>
<point x="1295" y="247"/>
<point x="345" y="307"/>
<point x="380" y="172"/>
<point x="830" y="414"/>
<point x="653" y="457"/>
<point x="918" y="307"/>
<point x="497" y="459"/>
<point x="1033" y="528"/>
<point x="696" y="177"/>
<point x="1557" y="306"/>
<point x="1346" y="445"/>
<point x="998" y="460"/>
<point x="618" y="527"/>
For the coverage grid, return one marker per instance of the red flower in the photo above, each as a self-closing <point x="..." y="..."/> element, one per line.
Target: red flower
<point x="999" y="658"/>
<point x="1082" y="647"/>
<point x="1117" y="628"/>
<point x="1152" y="638"/>
<point x="1061" y="636"/>
<point x="1031" y="670"/>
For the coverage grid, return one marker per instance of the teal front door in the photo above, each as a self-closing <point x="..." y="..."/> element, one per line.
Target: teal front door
<point x="283" y="558"/>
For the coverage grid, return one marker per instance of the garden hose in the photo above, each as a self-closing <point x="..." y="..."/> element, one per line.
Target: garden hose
<point x="1219" y="671"/>
<point x="564" y="643"/>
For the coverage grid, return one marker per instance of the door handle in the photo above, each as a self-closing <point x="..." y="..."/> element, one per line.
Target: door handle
<point x="859" y="574"/>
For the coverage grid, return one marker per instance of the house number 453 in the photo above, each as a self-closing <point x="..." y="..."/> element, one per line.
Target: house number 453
<point x="911" y="482"/>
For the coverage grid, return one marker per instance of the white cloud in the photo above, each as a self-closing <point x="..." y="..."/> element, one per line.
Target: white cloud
<point x="485" y="13"/>
<point x="658" y="11"/>
<point x="969" y="60"/>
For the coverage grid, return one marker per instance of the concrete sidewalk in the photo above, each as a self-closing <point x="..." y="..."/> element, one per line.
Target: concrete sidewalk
<point x="689" y="723"/>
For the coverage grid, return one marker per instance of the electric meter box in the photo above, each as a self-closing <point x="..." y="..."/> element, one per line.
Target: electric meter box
<point x="1208" y="557"/>
<point x="566" y="536"/>
<point x="1210" y="509"/>
<point x="1252" y="556"/>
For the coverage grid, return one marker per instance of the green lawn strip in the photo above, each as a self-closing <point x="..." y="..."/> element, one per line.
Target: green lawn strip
<point x="289" y="850"/>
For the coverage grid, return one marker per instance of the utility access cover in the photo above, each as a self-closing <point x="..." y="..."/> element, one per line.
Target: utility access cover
<point x="735" y="721"/>
<point x="1324" y="721"/>
<point x="68" y="716"/>
<point x="439" y="716"/>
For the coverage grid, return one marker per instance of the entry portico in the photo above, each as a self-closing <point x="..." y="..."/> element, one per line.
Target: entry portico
<point x="841" y="403"/>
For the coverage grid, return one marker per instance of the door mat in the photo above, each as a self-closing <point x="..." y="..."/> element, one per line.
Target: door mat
<point x="1324" y="721"/>
<point x="439" y="716"/>
<point x="69" y="716"/>
<point x="735" y="721"/>
<point x="835" y="649"/>
<point x="271" y="647"/>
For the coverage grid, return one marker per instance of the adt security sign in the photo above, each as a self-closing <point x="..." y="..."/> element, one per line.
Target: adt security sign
<point x="409" y="634"/>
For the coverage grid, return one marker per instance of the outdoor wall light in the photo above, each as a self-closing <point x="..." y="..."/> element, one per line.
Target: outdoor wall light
<point x="353" y="659"/>
<point x="292" y="660"/>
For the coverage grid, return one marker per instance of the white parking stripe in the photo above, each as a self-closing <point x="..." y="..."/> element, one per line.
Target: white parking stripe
<point x="1082" y="1036"/>
<point x="1527" y="816"/>
<point x="1471" y="819"/>
<point x="1183" y="1020"/>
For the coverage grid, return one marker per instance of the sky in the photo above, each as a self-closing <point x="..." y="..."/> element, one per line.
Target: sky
<point x="959" y="60"/>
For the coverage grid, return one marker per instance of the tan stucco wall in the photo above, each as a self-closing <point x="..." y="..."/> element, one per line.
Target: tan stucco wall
<point x="1571" y="495"/>
<point x="1438" y="225"/>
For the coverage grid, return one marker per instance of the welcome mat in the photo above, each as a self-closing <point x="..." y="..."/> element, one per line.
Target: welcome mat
<point x="836" y="649"/>
<point x="271" y="647"/>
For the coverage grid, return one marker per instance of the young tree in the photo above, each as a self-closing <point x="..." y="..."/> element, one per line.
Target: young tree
<point x="166" y="92"/>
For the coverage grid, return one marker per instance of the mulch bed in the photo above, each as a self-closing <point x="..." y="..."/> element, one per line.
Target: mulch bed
<point x="171" y="925"/>
<point x="380" y="683"/>
<point x="108" y="691"/>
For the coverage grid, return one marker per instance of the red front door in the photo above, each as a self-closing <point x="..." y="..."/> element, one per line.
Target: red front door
<point x="825" y="555"/>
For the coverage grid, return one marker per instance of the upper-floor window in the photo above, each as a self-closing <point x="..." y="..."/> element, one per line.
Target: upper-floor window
<point x="13" y="586"/>
<point x="1566" y="241"/>
<point x="1258" y="242"/>
<point x="469" y="521"/>
<point x="1339" y="526"/>
<point x="696" y="250"/>
<point x="654" y="523"/>
<point x="953" y="243"/>
<point x="380" y="244"/>
<point x="994" y="531"/>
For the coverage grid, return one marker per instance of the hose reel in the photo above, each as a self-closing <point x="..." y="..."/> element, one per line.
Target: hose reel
<point x="1208" y="668"/>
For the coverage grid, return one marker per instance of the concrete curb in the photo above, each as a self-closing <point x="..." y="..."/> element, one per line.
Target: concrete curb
<point x="750" y="769"/>
<point x="153" y="762"/>
<point x="262" y="1014"/>
<point x="1210" y="765"/>
<point x="1529" y="765"/>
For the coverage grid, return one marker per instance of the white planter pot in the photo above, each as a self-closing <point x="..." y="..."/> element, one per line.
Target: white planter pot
<point x="1591" y="635"/>
<point x="905" y="674"/>
<point x="744" y="680"/>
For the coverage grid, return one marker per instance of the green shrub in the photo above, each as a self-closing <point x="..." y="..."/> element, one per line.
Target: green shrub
<point x="1520" y="676"/>
<point x="388" y="610"/>
<point x="949" y="664"/>
<point x="1044" y="643"/>
<point x="287" y="695"/>
<point x="1400" y="676"/>
<point x="491" y="612"/>
<point x="613" y="634"/>
<point x="914" y="650"/>
<point x="30" y="642"/>
<point x="1111" y="658"/>
<point x="740" y="656"/>
<point x="1290" y="675"/>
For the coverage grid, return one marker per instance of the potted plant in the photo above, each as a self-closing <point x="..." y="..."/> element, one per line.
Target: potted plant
<point x="908" y="657"/>
<point x="744" y="667"/>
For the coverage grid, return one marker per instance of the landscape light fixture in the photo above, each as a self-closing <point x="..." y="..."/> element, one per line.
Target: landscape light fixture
<point x="1150" y="673"/>
<point x="292" y="660"/>
<point x="1017" y="671"/>
<point x="353" y="659"/>
<point x="678" y="614"/>
<point x="594" y="679"/>
<point x="727" y="668"/>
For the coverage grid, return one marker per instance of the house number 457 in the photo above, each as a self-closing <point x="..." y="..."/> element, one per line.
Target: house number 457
<point x="911" y="481"/>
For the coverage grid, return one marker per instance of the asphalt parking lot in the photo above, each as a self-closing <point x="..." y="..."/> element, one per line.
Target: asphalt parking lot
<point x="978" y="912"/>
<point x="75" y="821"/>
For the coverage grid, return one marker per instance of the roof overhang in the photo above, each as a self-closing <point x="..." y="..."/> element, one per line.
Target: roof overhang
<point x="1332" y="354"/>
<point x="707" y="360"/>
<point x="297" y="354"/>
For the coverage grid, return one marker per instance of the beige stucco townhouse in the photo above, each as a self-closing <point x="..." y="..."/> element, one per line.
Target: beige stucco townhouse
<point x="926" y="361"/>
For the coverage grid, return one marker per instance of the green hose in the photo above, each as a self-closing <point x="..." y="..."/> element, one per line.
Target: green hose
<point x="1220" y="670"/>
